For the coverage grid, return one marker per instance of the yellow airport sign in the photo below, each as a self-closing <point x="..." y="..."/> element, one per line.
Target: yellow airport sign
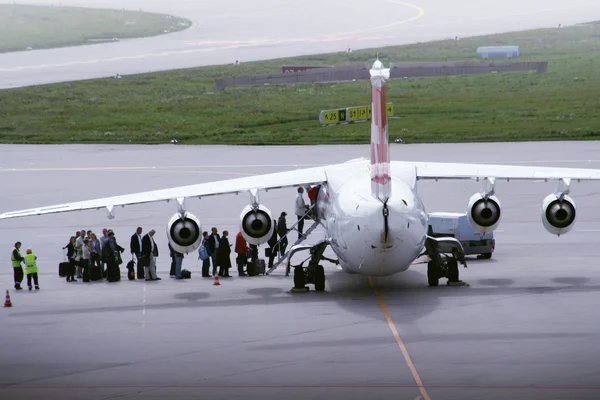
<point x="350" y="114"/>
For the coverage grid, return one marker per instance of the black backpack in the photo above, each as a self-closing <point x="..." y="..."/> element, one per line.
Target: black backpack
<point x="185" y="274"/>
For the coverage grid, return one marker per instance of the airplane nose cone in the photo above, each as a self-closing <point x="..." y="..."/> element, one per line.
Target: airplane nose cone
<point x="377" y="65"/>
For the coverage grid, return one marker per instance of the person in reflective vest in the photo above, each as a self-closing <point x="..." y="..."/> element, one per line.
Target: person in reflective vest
<point x="16" y="260"/>
<point x="31" y="269"/>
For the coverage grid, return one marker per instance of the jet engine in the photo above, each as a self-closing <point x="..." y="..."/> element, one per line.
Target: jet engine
<point x="483" y="214"/>
<point x="558" y="214"/>
<point x="184" y="232"/>
<point x="256" y="224"/>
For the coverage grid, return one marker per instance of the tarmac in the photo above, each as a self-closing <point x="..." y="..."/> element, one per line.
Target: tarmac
<point x="230" y="30"/>
<point x="526" y="326"/>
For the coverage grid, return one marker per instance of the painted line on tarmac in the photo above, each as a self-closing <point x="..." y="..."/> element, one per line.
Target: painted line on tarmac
<point x="173" y="167"/>
<point x="297" y="387"/>
<point x="328" y="37"/>
<point x="400" y="342"/>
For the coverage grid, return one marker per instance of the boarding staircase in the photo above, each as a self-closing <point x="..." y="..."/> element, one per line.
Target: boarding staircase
<point x="282" y="257"/>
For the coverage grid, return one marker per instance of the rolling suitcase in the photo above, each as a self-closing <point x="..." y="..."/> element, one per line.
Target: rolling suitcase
<point x="113" y="274"/>
<point x="63" y="269"/>
<point x="256" y="267"/>
<point x="95" y="273"/>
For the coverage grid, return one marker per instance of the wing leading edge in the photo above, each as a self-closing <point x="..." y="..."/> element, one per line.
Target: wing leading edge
<point x="261" y="182"/>
<point x="432" y="170"/>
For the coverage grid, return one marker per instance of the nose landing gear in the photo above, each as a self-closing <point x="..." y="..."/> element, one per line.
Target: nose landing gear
<point x="314" y="273"/>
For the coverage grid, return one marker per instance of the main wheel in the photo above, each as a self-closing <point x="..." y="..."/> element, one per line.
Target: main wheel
<point x="487" y="256"/>
<point x="319" y="278"/>
<point x="452" y="271"/>
<point x="433" y="275"/>
<point x="299" y="280"/>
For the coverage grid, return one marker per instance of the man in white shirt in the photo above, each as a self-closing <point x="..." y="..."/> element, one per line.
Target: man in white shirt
<point x="300" y="210"/>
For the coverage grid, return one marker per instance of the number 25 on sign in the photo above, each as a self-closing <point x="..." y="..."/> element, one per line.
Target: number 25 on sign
<point x="331" y="116"/>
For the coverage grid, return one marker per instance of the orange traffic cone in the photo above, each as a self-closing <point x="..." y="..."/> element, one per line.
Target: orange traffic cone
<point x="7" y="302"/>
<point x="216" y="281"/>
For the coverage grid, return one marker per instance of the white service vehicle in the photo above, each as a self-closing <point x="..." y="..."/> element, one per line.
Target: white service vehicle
<point x="456" y="225"/>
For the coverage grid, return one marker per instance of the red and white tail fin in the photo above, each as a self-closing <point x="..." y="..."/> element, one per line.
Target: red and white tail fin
<point x="381" y="186"/>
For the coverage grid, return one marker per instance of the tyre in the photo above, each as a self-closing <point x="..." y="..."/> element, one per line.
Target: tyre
<point x="452" y="271"/>
<point x="299" y="280"/>
<point x="433" y="276"/>
<point x="487" y="256"/>
<point x="319" y="278"/>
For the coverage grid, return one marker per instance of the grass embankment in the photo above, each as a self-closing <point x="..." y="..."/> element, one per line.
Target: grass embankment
<point x="151" y="108"/>
<point x="43" y="27"/>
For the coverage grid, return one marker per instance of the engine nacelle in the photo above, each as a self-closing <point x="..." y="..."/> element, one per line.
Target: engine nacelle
<point x="558" y="216"/>
<point x="483" y="215"/>
<point x="184" y="234"/>
<point x="256" y="225"/>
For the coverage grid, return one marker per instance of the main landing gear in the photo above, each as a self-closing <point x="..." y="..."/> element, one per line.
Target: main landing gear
<point x="314" y="272"/>
<point x="442" y="265"/>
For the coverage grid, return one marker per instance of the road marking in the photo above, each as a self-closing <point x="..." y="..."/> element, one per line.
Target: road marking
<point x="236" y="44"/>
<point x="403" y="349"/>
<point x="134" y="168"/>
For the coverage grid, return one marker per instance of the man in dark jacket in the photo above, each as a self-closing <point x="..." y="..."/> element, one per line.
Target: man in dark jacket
<point x="223" y="252"/>
<point x="149" y="254"/>
<point x="272" y="242"/>
<point x="213" y="247"/>
<point x="282" y="230"/>
<point x="135" y="246"/>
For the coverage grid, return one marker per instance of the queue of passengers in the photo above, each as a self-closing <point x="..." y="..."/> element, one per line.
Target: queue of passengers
<point x="91" y="258"/>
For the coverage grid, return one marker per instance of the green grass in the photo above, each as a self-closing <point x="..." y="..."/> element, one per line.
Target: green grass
<point x="43" y="27"/>
<point x="563" y="104"/>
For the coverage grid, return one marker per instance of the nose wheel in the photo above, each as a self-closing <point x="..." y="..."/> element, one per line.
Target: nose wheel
<point x="314" y="273"/>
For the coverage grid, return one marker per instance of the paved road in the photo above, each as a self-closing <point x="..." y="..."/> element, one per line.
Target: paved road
<point x="229" y="30"/>
<point x="527" y="326"/>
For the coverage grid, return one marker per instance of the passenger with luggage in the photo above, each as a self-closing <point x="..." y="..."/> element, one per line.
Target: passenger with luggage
<point x="135" y="246"/>
<point x="241" y="249"/>
<point x="111" y="256"/>
<point x="16" y="260"/>
<point x="223" y="254"/>
<point x="31" y="269"/>
<point x="95" y="252"/>
<point x="178" y="258"/>
<point x="71" y="255"/>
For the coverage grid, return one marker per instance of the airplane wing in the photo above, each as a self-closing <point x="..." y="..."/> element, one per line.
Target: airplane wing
<point x="277" y="180"/>
<point x="432" y="170"/>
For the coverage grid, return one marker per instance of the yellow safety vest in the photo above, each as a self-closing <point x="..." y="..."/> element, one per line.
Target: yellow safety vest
<point x="30" y="265"/>
<point x="15" y="263"/>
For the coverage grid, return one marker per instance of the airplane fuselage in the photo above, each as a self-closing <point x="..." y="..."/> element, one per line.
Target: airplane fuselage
<point x="355" y="223"/>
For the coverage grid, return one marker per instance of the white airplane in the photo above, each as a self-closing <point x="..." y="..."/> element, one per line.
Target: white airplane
<point x="374" y="219"/>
